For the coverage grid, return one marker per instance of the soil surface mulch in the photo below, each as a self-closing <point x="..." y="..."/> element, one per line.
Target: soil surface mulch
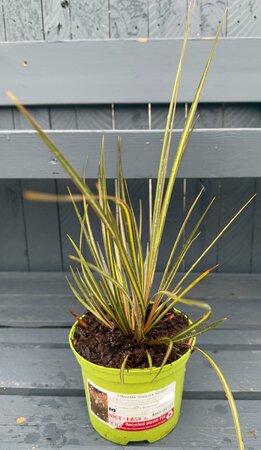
<point x="108" y="348"/>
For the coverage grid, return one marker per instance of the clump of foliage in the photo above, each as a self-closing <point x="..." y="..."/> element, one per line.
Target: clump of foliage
<point x="116" y="286"/>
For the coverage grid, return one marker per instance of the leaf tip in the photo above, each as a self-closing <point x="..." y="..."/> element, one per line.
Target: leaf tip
<point x="11" y="96"/>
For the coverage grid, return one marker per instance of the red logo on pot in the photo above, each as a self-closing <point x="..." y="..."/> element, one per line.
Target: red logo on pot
<point x="146" y="424"/>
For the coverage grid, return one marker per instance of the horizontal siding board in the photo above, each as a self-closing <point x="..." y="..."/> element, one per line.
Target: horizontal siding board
<point x="211" y="153"/>
<point x="53" y="369"/>
<point x="33" y="309"/>
<point x="54" y="422"/>
<point x="227" y="286"/>
<point x="105" y="447"/>
<point x="28" y="300"/>
<point x="144" y="75"/>
<point x="22" y="312"/>
<point x="58" y="337"/>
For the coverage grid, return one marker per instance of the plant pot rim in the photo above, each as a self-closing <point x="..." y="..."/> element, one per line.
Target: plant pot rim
<point x="137" y="371"/>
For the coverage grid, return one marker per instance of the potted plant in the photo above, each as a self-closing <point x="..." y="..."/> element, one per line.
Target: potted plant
<point x="133" y="344"/>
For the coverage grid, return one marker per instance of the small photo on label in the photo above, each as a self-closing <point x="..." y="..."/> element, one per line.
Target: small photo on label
<point x="98" y="402"/>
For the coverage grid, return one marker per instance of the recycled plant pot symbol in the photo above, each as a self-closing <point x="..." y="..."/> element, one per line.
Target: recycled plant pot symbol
<point x="169" y="414"/>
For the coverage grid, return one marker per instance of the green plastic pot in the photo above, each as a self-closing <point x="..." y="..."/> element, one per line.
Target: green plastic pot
<point x="140" y="409"/>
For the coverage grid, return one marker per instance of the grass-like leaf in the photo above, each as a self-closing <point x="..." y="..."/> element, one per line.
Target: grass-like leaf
<point x="229" y="397"/>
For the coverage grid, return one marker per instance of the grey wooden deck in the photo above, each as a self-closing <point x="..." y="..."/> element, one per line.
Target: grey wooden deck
<point x="41" y="382"/>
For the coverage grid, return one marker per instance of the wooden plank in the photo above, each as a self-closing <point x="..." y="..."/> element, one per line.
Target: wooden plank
<point x="135" y="79"/>
<point x="159" y="117"/>
<point x="256" y="244"/>
<point x="167" y="19"/>
<point x="206" y="18"/>
<point x="62" y="118"/>
<point x="40" y="114"/>
<point x="94" y="117"/>
<point x="89" y="19"/>
<point x="6" y="119"/>
<point x="215" y="286"/>
<point x="235" y="247"/>
<point x="139" y="191"/>
<point x="44" y="337"/>
<point x="23" y="21"/>
<point x="54" y="312"/>
<point x="42" y="228"/>
<point x="13" y="242"/>
<point x="128" y="20"/>
<point x="56" y="370"/>
<point x="241" y="116"/>
<point x="219" y="339"/>
<point x="2" y="25"/>
<point x="26" y="283"/>
<point x="132" y="117"/>
<point x="211" y="153"/>
<point x="105" y="447"/>
<point x="244" y="18"/>
<point x="56" y="421"/>
<point x="208" y="228"/>
<point x="56" y="20"/>
<point x="173" y="223"/>
<point x="211" y="116"/>
<point x="41" y="220"/>
<point x="69" y="224"/>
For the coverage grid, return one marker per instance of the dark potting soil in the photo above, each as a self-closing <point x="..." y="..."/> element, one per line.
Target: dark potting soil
<point x="108" y="348"/>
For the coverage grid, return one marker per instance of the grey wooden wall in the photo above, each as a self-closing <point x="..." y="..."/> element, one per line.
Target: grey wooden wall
<point x="33" y="236"/>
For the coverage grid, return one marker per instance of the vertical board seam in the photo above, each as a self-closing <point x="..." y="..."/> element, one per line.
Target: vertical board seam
<point x="219" y="196"/>
<point x="59" y="227"/>
<point x="3" y="12"/>
<point x="109" y="18"/>
<point x="148" y="22"/>
<point x="253" y="229"/>
<point x="42" y="16"/>
<point x="70" y="21"/>
<point x="25" y="229"/>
